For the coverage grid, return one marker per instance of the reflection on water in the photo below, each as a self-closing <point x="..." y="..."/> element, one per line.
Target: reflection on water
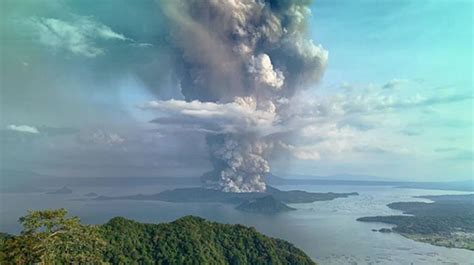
<point x="327" y="231"/>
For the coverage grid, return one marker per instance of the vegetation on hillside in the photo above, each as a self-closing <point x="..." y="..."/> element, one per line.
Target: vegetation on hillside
<point x="49" y="237"/>
<point x="448" y="221"/>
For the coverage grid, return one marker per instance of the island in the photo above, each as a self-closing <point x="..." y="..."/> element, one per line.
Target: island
<point x="246" y="200"/>
<point x="448" y="221"/>
<point x="264" y="205"/>
<point x="51" y="237"/>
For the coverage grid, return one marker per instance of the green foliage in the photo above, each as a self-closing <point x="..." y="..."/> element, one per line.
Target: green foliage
<point x="50" y="237"/>
<point x="429" y="218"/>
<point x="192" y="240"/>
<point x="441" y="223"/>
<point x="3" y="238"/>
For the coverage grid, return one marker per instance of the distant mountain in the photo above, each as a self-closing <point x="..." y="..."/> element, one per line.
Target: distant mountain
<point x="63" y="190"/>
<point x="264" y="205"/>
<point x="202" y="195"/>
<point x="123" y="181"/>
<point x="27" y="181"/>
<point x="318" y="180"/>
<point x="198" y="194"/>
<point x="19" y="181"/>
<point x="360" y="180"/>
<point x="461" y="198"/>
<point x="467" y="185"/>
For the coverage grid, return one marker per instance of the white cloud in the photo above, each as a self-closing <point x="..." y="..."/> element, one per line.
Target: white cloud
<point x="301" y="152"/>
<point x="241" y="115"/>
<point x="356" y="123"/>
<point x="78" y="36"/>
<point x="262" y="69"/>
<point x="23" y="128"/>
<point x="352" y="124"/>
<point x="369" y="101"/>
<point x="306" y="154"/>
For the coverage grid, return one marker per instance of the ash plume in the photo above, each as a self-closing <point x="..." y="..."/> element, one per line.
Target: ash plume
<point x="238" y="161"/>
<point x="252" y="54"/>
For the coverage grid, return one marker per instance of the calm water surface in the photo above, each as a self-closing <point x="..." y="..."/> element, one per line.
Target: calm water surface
<point x="327" y="231"/>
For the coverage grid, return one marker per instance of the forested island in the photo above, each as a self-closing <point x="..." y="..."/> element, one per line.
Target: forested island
<point x="448" y="221"/>
<point x="275" y="202"/>
<point x="51" y="237"/>
<point x="265" y="205"/>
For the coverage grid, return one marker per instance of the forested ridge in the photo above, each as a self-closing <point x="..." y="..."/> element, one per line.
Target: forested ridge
<point x="49" y="237"/>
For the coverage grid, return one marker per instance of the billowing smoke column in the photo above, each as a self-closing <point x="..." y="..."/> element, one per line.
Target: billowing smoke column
<point x="238" y="161"/>
<point x="250" y="52"/>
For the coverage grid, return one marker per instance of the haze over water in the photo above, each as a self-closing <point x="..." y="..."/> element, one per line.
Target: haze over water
<point x="327" y="231"/>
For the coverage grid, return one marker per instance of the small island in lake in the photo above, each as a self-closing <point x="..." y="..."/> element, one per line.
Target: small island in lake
<point x="264" y="205"/>
<point x="448" y="221"/>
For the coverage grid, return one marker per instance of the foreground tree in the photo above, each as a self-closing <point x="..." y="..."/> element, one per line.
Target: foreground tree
<point x="50" y="237"/>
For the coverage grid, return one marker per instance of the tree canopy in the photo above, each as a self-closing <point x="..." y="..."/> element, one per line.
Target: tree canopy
<point x="50" y="237"/>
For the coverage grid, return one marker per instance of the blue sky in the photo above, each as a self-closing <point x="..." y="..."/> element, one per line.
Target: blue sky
<point x="413" y="48"/>
<point x="395" y="99"/>
<point x="379" y="40"/>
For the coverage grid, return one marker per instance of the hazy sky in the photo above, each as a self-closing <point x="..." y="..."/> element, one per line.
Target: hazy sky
<point x="395" y="100"/>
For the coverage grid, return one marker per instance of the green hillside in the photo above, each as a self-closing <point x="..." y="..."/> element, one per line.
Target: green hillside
<point x="50" y="237"/>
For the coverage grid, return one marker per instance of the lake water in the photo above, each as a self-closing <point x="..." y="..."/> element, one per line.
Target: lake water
<point x="326" y="231"/>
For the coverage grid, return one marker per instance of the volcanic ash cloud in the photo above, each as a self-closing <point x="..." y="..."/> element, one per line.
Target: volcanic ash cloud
<point x="246" y="55"/>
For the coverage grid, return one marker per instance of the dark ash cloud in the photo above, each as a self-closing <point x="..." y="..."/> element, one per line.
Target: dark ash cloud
<point x="248" y="58"/>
